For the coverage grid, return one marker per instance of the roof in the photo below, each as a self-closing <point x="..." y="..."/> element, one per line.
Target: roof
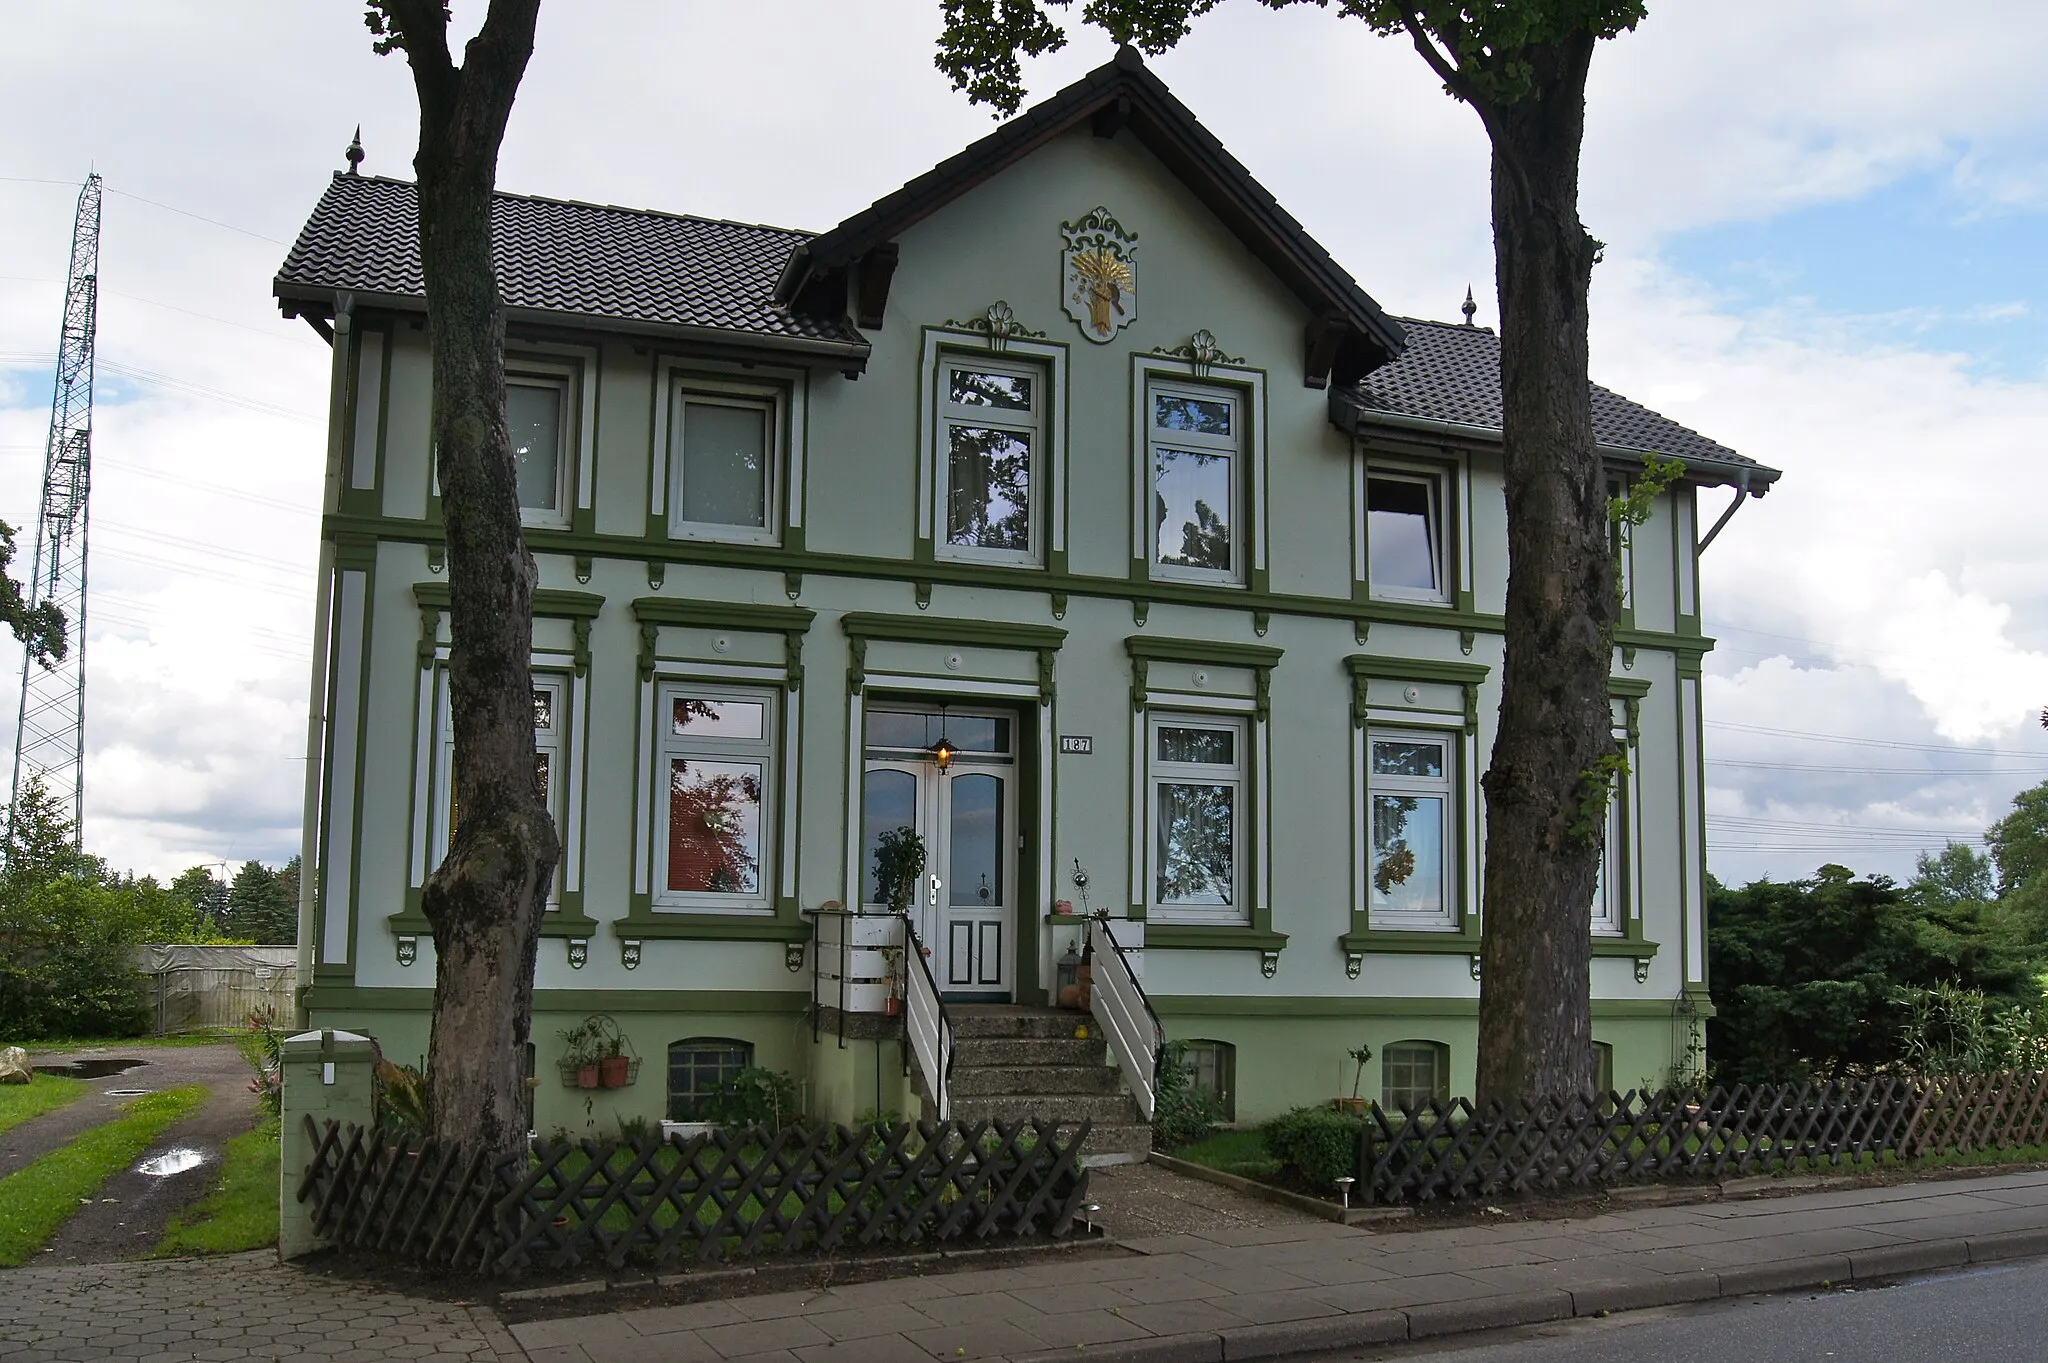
<point x="1123" y="94"/>
<point x="660" y="272"/>
<point x="1450" y="376"/>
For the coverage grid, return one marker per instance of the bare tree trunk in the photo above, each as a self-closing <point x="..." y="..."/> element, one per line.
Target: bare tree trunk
<point x="1546" y="816"/>
<point x="486" y="899"/>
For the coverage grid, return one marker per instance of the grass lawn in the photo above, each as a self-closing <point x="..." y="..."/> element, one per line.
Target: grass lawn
<point x="241" y="1212"/>
<point x="122" y="1043"/>
<point x="37" y="1199"/>
<point x="43" y="1093"/>
<point x="1234" y="1152"/>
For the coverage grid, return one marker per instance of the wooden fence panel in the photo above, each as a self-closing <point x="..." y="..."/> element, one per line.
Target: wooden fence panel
<point x="724" y="1194"/>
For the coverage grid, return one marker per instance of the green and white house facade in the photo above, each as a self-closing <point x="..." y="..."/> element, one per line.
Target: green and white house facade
<point x="1075" y="458"/>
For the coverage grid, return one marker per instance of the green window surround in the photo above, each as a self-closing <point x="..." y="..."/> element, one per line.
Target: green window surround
<point x="862" y="627"/>
<point x="791" y="622"/>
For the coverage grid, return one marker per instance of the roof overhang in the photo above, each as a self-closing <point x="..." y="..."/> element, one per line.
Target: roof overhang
<point x="1348" y="337"/>
<point x="848" y="357"/>
<point x="1355" y="419"/>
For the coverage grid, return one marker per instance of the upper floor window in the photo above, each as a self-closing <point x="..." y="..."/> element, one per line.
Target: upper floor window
<point x="1197" y="774"/>
<point x="1196" y="449"/>
<point x="1404" y="535"/>
<point x="991" y="455"/>
<point x="540" y="412"/>
<point x="724" y="459"/>
<point x="715" y="771"/>
<point x="550" y="756"/>
<point x="1610" y="899"/>
<point x="1411" y="795"/>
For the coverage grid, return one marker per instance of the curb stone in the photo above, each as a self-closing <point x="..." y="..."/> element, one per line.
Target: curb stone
<point x="1787" y="1275"/>
<point x="2008" y="1244"/>
<point x="1313" y="1336"/>
<point x="1487" y="1313"/>
<point x="1886" y="1261"/>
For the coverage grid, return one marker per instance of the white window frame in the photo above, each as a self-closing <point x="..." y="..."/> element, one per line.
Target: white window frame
<point x="680" y="386"/>
<point x="1610" y="889"/>
<point x="1158" y="773"/>
<point x="1440" y="487"/>
<point x="1237" y="447"/>
<point x="948" y="414"/>
<point x="1446" y="788"/>
<point x="764" y="750"/>
<point x="1440" y="1057"/>
<point x="560" y="743"/>
<point x="531" y="371"/>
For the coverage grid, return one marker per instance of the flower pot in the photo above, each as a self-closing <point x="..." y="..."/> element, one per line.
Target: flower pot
<point x="586" y="1076"/>
<point x="612" y="1072"/>
<point x="893" y="1007"/>
<point x="1352" y="1107"/>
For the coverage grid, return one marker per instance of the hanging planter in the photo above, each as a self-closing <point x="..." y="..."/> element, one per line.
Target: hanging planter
<point x="598" y="1055"/>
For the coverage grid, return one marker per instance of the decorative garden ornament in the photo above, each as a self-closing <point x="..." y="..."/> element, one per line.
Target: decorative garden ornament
<point x="1100" y="274"/>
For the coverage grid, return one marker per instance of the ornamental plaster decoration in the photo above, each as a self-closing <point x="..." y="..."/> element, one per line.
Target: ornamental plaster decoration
<point x="408" y="950"/>
<point x="1000" y="325"/>
<point x="1099" y="274"/>
<point x="1202" y="353"/>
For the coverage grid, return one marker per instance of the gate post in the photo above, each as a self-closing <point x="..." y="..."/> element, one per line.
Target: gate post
<point x="328" y="1076"/>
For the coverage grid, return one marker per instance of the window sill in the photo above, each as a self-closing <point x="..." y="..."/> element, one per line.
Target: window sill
<point x="1632" y="947"/>
<point x="1391" y="941"/>
<point x="555" y="924"/>
<point x="1210" y="937"/>
<point x="713" y="927"/>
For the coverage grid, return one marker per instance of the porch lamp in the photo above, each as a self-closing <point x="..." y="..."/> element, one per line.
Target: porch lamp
<point x="942" y="751"/>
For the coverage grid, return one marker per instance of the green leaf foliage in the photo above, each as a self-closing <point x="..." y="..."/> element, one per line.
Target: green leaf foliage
<point x="1181" y="1113"/>
<point x="1486" y="50"/>
<point x="1320" y="1143"/>
<point x="1815" y="978"/>
<point x="2019" y="841"/>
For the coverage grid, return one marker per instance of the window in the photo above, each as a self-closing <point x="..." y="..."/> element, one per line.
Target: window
<point x="698" y="1069"/>
<point x="1404" y="536"/>
<point x="1212" y="1069"/>
<point x="1603" y="1069"/>
<point x="990" y="460"/>
<point x="724" y="457"/>
<point x="1610" y="885"/>
<point x="550" y="755"/>
<point x="1411" y="804"/>
<point x="1196" y="447"/>
<point x="539" y="410"/>
<point x="715" y="769"/>
<point x="1197" y="811"/>
<point x="1414" y="1074"/>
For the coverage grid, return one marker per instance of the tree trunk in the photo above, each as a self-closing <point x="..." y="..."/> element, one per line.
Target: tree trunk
<point x="1546" y="815"/>
<point x="486" y="899"/>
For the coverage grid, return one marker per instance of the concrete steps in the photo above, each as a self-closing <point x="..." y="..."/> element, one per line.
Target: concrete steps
<point x="1012" y="1063"/>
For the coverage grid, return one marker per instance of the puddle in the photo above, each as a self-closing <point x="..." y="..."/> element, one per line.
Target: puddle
<point x="91" y="1069"/>
<point x="126" y="1093"/>
<point x="172" y="1162"/>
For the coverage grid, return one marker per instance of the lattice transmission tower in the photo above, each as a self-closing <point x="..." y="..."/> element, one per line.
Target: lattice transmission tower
<point x="49" y="737"/>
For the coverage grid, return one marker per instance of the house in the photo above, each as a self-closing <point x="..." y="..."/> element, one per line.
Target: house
<point x="1070" y="507"/>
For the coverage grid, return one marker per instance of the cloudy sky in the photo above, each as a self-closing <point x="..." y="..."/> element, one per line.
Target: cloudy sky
<point x="1823" y="221"/>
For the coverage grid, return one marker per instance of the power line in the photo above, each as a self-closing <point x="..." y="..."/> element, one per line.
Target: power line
<point x="1948" y="749"/>
<point x="2033" y="773"/>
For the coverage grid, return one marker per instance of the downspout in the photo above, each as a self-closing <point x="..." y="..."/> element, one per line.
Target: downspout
<point x="316" y="702"/>
<point x="1741" y="496"/>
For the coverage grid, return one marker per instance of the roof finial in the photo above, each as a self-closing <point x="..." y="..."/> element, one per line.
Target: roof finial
<point x="1469" y="308"/>
<point x="354" y="154"/>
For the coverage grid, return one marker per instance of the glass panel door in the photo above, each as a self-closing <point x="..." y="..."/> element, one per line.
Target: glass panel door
<point x="978" y="841"/>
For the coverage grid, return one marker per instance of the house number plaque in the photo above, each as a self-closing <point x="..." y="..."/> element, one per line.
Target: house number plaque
<point x="1077" y="743"/>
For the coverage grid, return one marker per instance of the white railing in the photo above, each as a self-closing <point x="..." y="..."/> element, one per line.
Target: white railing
<point x="929" y="1029"/>
<point x="1125" y="1015"/>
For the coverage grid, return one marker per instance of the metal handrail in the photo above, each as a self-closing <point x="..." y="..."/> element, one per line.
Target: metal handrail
<point x="1139" y="1062"/>
<point x="938" y="1066"/>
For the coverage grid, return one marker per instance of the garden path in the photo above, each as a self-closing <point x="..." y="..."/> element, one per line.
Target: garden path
<point x="1147" y="1199"/>
<point x="127" y="1217"/>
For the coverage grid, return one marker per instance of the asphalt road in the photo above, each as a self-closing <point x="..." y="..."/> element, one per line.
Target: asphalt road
<point x="1986" y="1314"/>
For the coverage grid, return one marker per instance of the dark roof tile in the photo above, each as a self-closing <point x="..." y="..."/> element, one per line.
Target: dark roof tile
<point x="651" y="269"/>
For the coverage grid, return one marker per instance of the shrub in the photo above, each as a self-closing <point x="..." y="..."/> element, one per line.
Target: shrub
<point x="756" y="1097"/>
<point x="1181" y="1113"/>
<point x="1319" y="1143"/>
<point x="66" y="962"/>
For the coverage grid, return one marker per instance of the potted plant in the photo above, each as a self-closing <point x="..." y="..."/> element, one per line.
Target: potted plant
<point x="899" y="862"/>
<point x="584" y="1045"/>
<point x="892" y="960"/>
<point x="1355" y="1105"/>
<point x="615" y="1058"/>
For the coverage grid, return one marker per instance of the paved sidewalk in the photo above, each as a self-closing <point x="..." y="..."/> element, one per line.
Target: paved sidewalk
<point x="229" y="1308"/>
<point x="1247" y="1292"/>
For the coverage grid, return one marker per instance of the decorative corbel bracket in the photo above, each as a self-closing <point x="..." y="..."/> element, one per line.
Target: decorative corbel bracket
<point x="1059" y="605"/>
<point x="856" y="662"/>
<point x="1045" y="676"/>
<point x="1642" y="970"/>
<point x="1474" y="958"/>
<point x="1140" y="667"/>
<point x="1354" y="964"/>
<point x="408" y="950"/>
<point x="657" y="573"/>
<point x="437" y="558"/>
<point x="579" y="952"/>
<point x="579" y="631"/>
<point x="923" y="592"/>
<point x="649" y="632"/>
<point x="792" y="583"/>
<point x="629" y="953"/>
<point x="584" y="567"/>
<point x="1141" y="611"/>
<point x="1261" y="622"/>
<point x="792" y="956"/>
<point x="430" y="636"/>
<point x="1269" y="962"/>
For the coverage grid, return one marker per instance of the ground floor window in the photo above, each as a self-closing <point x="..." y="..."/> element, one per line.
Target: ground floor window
<point x="1603" y="1068"/>
<point x="1211" y="1069"/>
<point x="1414" y="1074"/>
<point x="698" y="1068"/>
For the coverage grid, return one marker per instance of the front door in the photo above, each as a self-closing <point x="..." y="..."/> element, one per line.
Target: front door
<point x="964" y="807"/>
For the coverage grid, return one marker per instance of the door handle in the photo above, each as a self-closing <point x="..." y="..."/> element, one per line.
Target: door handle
<point x="934" y="899"/>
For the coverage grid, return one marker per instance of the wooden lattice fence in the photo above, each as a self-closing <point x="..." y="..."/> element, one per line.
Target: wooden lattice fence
<point x="1457" y="1151"/>
<point x="725" y="1194"/>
